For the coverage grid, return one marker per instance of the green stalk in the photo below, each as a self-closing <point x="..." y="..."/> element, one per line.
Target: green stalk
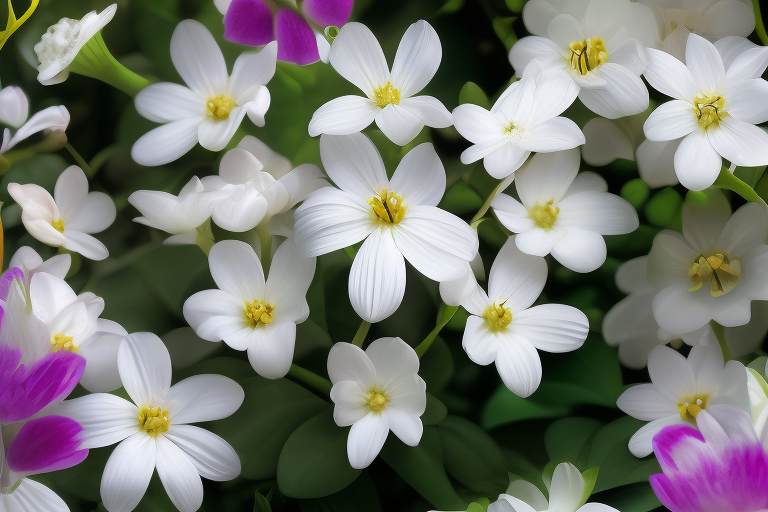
<point x="80" y="160"/>
<point x="759" y="27"/>
<point x="94" y="60"/>
<point x="487" y="204"/>
<point x="310" y="379"/>
<point x="446" y="313"/>
<point x="361" y="333"/>
<point x="720" y="334"/>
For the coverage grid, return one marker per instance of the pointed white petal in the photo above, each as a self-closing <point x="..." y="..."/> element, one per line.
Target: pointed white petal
<point x="127" y="473"/>
<point x="552" y="327"/>
<point x="198" y="59"/>
<point x="31" y="496"/>
<point x="645" y="403"/>
<point x="477" y="125"/>
<point x="541" y="49"/>
<point x="203" y="398"/>
<point x="565" y="29"/>
<point x="216" y="315"/>
<point x="165" y="102"/>
<point x="744" y="231"/>
<point x="394" y="361"/>
<point x="671" y="374"/>
<point x="51" y="118"/>
<point x="106" y="419"/>
<point x="748" y="102"/>
<point x="251" y="72"/>
<point x="343" y="116"/>
<point x="347" y="362"/>
<point x="670" y="76"/>
<point x="354" y="164"/>
<point x="580" y="250"/>
<point x="640" y="444"/>
<point x="417" y="59"/>
<point x="366" y="438"/>
<point x="505" y="160"/>
<point x="566" y="489"/>
<point x="512" y="214"/>
<point x="433" y="113"/>
<point x="603" y="213"/>
<point x="237" y="270"/>
<point x="86" y="245"/>
<point x="519" y="366"/>
<point x="420" y="176"/>
<point x="742" y="143"/>
<point x="179" y="476"/>
<point x="547" y="176"/>
<point x="672" y="120"/>
<point x="480" y="344"/>
<point x="556" y="134"/>
<point x="166" y="143"/>
<point x="697" y="164"/>
<point x="656" y="162"/>
<point x="703" y="223"/>
<point x="145" y="367"/>
<point x="272" y="353"/>
<point x="289" y="278"/>
<point x="357" y="56"/>
<point x="212" y="456"/>
<point x="624" y="93"/>
<point x="407" y="427"/>
<point x="377" y="277"/>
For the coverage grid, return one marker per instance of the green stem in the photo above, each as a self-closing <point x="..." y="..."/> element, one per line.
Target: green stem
<point x="446" y="313"/>
<point x="759" y="27"/>
<point x="310" y="379"/>
<point x="487" y="204"/>
<point x="720" y="334"/>
<point x="79" y="159"/>
<point x="361" y="333"/>
<point x="94" y="60"/>
<point x="265" y="244"/>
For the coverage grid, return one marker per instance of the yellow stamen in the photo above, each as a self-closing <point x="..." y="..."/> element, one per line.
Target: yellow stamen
<point x="386" y="95"/>
<point x="259" y="313"/>
<point x="709" y="110"/>
<point x="690" y="406"/>
<point x="58" y="225"/>
<point x="63" y="342"/>
<point x="154" y="420"/>
<point x="724" y="271"/>
<point x="376" y="400"/>
<point x="497" y="318"/>
<point x="387" y="207"/>
<point x="544" y="215"/>
<point x="219" y="107"/>
<point x="587" y="55"/>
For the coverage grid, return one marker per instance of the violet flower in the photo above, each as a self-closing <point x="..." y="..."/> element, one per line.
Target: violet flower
<point x="722" y="466"/>
<point x="297" y="29"/>
<point x="45" y="444"/>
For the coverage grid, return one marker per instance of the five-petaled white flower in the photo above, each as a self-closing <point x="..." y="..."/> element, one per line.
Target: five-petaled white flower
<point x="680" y="389"/>
<point x="375" y="391"/>
<point x="249" y="313"/>
<point x="398" y="219"/>
<point x="14" y="109"/>
<point x="564" y="213"/>
<point x="357" y="56"/>
<point x="503" y="327"/>
<point x="155" y="432"/>
<point x="715" y="109"/>
<point x="213" y="104"/>
<point x="68" y="220"/>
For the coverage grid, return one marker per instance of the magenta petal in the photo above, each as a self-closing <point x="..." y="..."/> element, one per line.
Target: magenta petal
<point x="328" y="12"/>
<point x="46" y="444"/>
<point x="7" y="279"/>
<point x="670" y="439"/>
<point x="248" y="22"/>
<point x="296" y="42"/>
<point x="24" y="391"/>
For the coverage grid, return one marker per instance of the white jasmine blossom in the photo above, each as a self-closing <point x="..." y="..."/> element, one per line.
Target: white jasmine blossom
<point x="398" y="219"/>
<point x="563" y="213"/>
<point x="209" y="110"/>
<point x="68" y="220"/>
<point x="14" y="109"/>
<point x="375" y="391"/>
<point x="357" y="56"/>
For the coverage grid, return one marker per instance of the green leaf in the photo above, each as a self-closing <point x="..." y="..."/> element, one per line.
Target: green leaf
<point x="728" y="181"/>
<point x="314" y="463"/>
<point x="472" y="93"/>
<point x="505" y="30"/>
<point x="590" y="479"/>
<point x="261" y="504"/>
<point x="461" y="199"/>
<point x="663" y="207"/>
<point x="637" y="497"/>
<point x="635" y="192"/>
<point x="436" y="367"/>
<point x="472" y="456"/>
<point x="515" y="5"/>
<point x="750" y="175"/>
<point x="435" y="411"/>
<point x="422" y="468"/>
<point x="567" y="439"/>
<point x="360" y="495"/>
<point x="271" y="413"/>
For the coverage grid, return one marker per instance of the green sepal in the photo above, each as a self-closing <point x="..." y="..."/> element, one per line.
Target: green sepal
<point x="590" y="479"/>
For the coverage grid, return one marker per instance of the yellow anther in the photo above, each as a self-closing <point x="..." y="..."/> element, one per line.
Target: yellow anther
<point x="386" y="95"/>
<point x="219" y="107"/>
<point x="544" y="215"/>
<point x="497" y="318"/>
<point x="58" y="225"/>
<point x="709" y="110"/>
<point x="376" y="400"/>
<point x="259" y="313"/>
<point x="63" y="342"/>
<point x="510" y="129"/>
<point x="587" y="55"/>
<point x="387" y="207"/>
<point x="690" y="406"/>
<point x="724" y="271"/>
<point x="154" y="420"/>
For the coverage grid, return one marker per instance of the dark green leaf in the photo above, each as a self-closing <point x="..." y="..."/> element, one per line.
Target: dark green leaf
<point x="472" y="93"/>
<point x="261" y="504"/>
<point x="435" y="412"/>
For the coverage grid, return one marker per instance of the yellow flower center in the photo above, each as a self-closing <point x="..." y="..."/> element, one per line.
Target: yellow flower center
<point x="724" y="272"/>
<point x="259" y="313"/>
<point x="376" y="400"/>
<point x="387" y="207"/>
<point x="58" y="225"/>
<point x="709" y="110"/>
<point x="690" y="407"/>
<point x="154" y="421"/>
<point x="63" y="342"/>
<point x="497" y="318"/>
<point x="544" y="215"/>
<point x="386" y="95"/>
<point x="219" y="107"/>
<point x="587" y="55"/>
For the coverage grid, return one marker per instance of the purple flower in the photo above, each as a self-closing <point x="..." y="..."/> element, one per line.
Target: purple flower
<point x="46" y="444"/>
<point x="258" y="22"/>
<point x="722" y="466"/>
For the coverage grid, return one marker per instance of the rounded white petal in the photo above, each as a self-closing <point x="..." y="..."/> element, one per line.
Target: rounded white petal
<point x="697" y="164"/>
<point x="127" y="473"/>
<point x="656" y="162"/>
<point x="347" y="362"/>
<point x="605" y="142"/>
<point x="552" y="327"/>
<point x="165" y="102"/>
<point x="251" y="72"/>
<point x="166" y="143"/>
<point x="395" y="361"/>
<point x="289" y="278"/>
<point x="580" y="250"/>
<point x="343" y="116"/>
<point x="407" y="427"/>
<point x="640" y="444"/>
<point x="271" y="354"/>
<point x="672" y="120"/>
<point x="669" y="76"/>
<point x="198" y="59"/>
<point x="556" y="134"/>
<point x="420" y="176"/>
<point x="400" y="123"/>
<point x="748" y="102"/>
<point x="671" y="374"/>
<point x="704" y="223"/>
<point x="417" y="59"/>
<point x="516" y="279"/>
<point x="705" y="65"/>
<point x="237" y="270"/>
<point x="547" y="176"/>
<point x="214" y="135"/>
<point x="645" y="403"/>
<point x="354" y="164"/>
<point x="349" y="402"/>
<point x="519" y="366"/>
<point x="211" y="455"/>
<point x="377" y="277"/>
<point x="70" y="193"/>
<point x="203" y="398"/>
<point x="624" y="93"/>
<point x="51" y="118"/>
<point x="86" y="245"/>
<point x="566" y="489"/>
<point x="101" y="373"/>
<point x="744" y="231"/>
<point x="504" y="160"/>
<point x="31" y="496"/>
<point x="535" y="241"/>
<point x="14" y="106"/>
<point x="741" y="143"/>
<point x="216" y="315"/>
<point x="513" y="215"/>
<point x="36" y="202"/>
<point x="603" y="213"/>
<point x="480" y="344"/>
<point x="179" y="476"/>
<point x="145" y="368"/>
<point x="477" y="125"/>
<point x="366" y="438"/>
<point x="106" y="419"/>
<point x="96" y="213"/>
<point x="357" y="56"/>
<point x="542" y="49"/>
<point x="431" y="110"/>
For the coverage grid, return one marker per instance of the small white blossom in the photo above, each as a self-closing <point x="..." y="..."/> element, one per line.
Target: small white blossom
<point x="14" y="109"/>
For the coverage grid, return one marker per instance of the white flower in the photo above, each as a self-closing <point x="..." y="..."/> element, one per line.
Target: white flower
<point x="564" y="213"/>
<point x="680" y="389"/>
<point x="31" y="496"/>
<point x="398" y="219"/>
<point x="249" y="313"/>
<point x="256" y="184"/>
<point x="31" y="263"/>
<point x="712" y="19"/>
<point x="523" y="119"/>
<point x="376" y="391"/>
<point x="14" y="109"/>
<point x="715" y="109"/>
<point x="714" y="270"/>
<point x="630" y="324"/>
<point x="566" y="494"/>
<point x="357" y="56"/>
<point x="61" y="43"/>
<point x="154" y="432"/>
<point x="67" y="220"/>
<point x="599" y="45"/>
<point x="213" y="104"/>
<point x="503" y="327"/>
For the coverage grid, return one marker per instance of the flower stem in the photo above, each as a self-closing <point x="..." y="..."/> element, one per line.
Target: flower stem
<point x="310" y="379"/>
<point x="720" y="334"/>
<point x="361" y="333"/>
<point x="445" y="315"/>
<point x="265" y="244"/>
<point x="487" y="204"/>
<point x="759" y="27"/>
<point x="80" y="160"/>
<point x="94" y="60"/>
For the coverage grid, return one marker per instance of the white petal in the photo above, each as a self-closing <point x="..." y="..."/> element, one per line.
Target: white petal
<point x="535" y="241"/>
<point x="289" y="278"/>
<point x="587" y="181"/>
<point x="552" y="327"/>
<point x="241" y="211"/>
<point x="697" y="164"/>
<point x="565" y="29"/>
<point x="603" y="213"/>
<point x="480" y="344"/>
<point x="127" y="473"/>
<point x="198" y="59"/>
<point x="417" y="59"/>
<point x="86" y="245"/>
<point x="703" y="224"/>
<point x="656" y="162"/>
<point x="36" y="202"/>
<point x="731" y="47"/>
<point x="14" y="106"/>
<point x="106" y="419"/>
<point x="744" y="231"/>
<point x="516" y="279"/>
<point x="165" y="102"/>
<point x="541" y="49"/>
<point x="212" y="456"/>
<point x="742" y="143"/>
<point x="51" y="118"/>
<point x="749" y="63"/>
<point x="580" y="250"/>
<point x="672" y="120"/>
<point x="257" y="108"/>
<point x="433" y="113"/>
<point x="366" y="438"/>
<point x="556" y="134"/>
<point x="216" y="315"/>
<point x="272" y="353"/>
<point x="399" y="123"/>
<point x="100" y="352"/>
<point x="377" y="277"/>
<point x="357" y="56"/>
<point x="166" y="143"/>
<point x="347" y="362"/>
<point x="179" y="476"/>
<point x="349" y="402"/>
<point x="730" y="17"/>
<point x="512" y="214"/>
<point x="669" y="76"/>
<point x="555" y="92"/>
<point x="394" y="361"/>
<point x="519" y="366"/>
<point x="354" y="164"/>
<point x="237" y="270"/>
<point x="420" y="176"/>
<point x="645" y="403"/>
<point x="624" y="93"/>
<point x="505" y="160"/>
<point x="477" y="125"/>
<point x="145" y="368"/>
<point x="343" y="116"/>
<point x="605" y="143"/>
<point x="214" y="135"/>
<point x="96" y="213"/>
<point x="705" y="64"/>
<point x="630" y="54"/>
<point x="566" y="489"/>
<point x="407" y="427"/>
<point x="671" y="374"/>
<point x="49" y="295"/>
<point x="31" y="496"/>
<point x="640" y="444"/>
<point x="547" y="176"/>
<point x="70" y="193"/>
<point x="251" y="72"/>
<point x="706" y="362"/>
<point x="748" y="102"/>
<point x="203" y="398"/>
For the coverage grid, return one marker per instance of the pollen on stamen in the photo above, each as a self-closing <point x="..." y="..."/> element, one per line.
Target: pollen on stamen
<point x="717" y="266"/>
<point x="58" y="225"/>
<point x="544" y="215"/>
<point x="154" y="421"/>
<point x="387" y="208"/>
<point x="63" y="342"/>
<point x="376" y="400"/>
<point x="259" y="313"/>
<point x="386" y="95"/>
<point x="497" y="317"/>
<point x="587" y="55"/>
<point x="710" y="110"/>
<point x="219" y="107"/>
<point x="689" y="407"/>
